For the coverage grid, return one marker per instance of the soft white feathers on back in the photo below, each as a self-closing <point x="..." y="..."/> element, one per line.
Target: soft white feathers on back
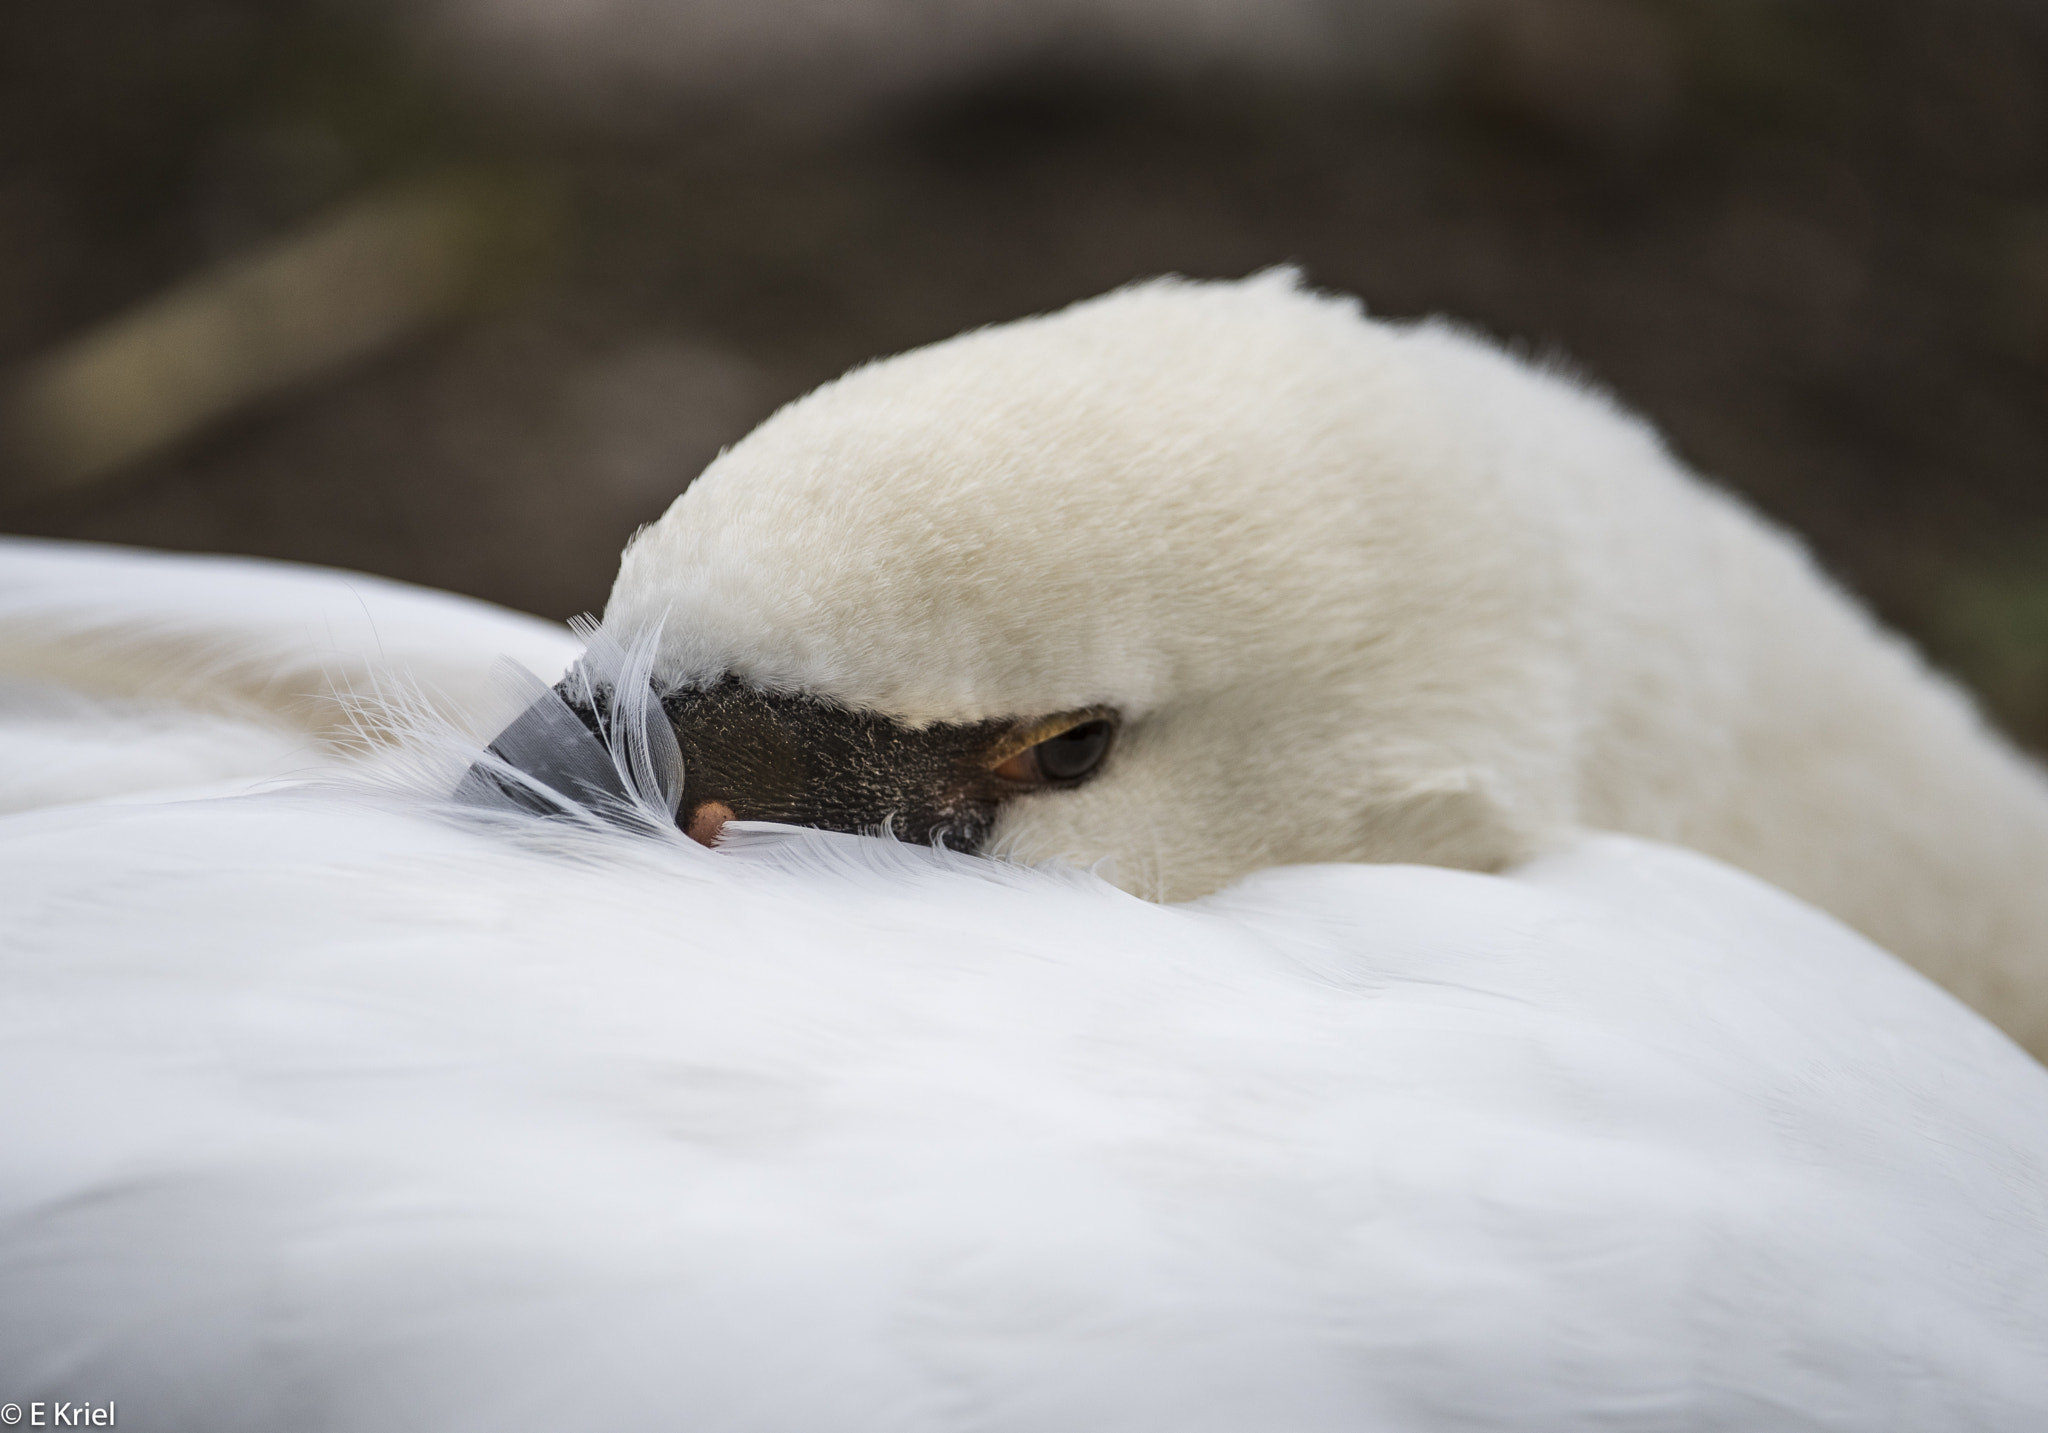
<point x="318" y="1114"/>
<point x="1363" y="592"/>
<point x="124" y="672"/>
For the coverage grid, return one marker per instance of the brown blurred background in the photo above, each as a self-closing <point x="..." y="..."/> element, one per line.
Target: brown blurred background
<point x="463" y="292"/>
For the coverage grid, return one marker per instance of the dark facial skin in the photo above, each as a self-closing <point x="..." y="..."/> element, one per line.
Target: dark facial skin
<point x="751" y="755"/>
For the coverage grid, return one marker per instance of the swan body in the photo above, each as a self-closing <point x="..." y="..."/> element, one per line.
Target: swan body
<point x="346" y="1105"/>
<point x="320" y="1111"/>
<point x="1355" y="592"/>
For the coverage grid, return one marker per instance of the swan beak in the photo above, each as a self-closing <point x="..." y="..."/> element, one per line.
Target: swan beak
<point x="754" y="755"/>
<point x="751" y="755"/>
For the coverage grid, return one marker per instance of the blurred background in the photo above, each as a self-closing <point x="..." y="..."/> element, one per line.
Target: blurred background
<point x="462" y="291"/>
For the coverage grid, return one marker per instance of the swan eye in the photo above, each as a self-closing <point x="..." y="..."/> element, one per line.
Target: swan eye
<point x="1075" y="752"/>
<point x="1068" y="756"/>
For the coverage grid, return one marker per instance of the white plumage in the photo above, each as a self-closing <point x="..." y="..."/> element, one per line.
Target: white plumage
<point x="124" y="673"/>
<point x="350" y="1106"/>
<point x="319" y="1114"/>
<point x="337" y="1108"/>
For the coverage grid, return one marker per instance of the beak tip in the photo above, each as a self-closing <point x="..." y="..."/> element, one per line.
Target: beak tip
<point x="707" y="821"/>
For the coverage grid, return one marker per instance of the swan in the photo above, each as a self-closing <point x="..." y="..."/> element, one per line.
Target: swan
<point x="1195" y="579"/>
<point x="512" y="1071"/>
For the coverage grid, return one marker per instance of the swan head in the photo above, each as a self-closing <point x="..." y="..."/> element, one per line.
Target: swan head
<point x="1183" y="581"/>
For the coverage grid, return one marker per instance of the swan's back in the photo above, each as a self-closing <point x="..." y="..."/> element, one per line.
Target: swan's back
<point x="318" y="1112"/>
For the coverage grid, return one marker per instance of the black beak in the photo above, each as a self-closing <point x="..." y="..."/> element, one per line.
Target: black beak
<point x="806" y="761"/>
<point x="727" y="751"/>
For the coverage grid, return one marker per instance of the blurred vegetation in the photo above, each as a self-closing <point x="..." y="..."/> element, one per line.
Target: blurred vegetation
<point x="1808" y="237"/>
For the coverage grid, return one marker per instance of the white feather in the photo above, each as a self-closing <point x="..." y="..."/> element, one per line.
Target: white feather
<point x="320" y="1112"/>
<point x="125" y="672"/>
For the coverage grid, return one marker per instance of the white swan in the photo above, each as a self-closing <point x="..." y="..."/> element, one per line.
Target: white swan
<point x="1352" y="591"/>
<point x="353" y="1107"/>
